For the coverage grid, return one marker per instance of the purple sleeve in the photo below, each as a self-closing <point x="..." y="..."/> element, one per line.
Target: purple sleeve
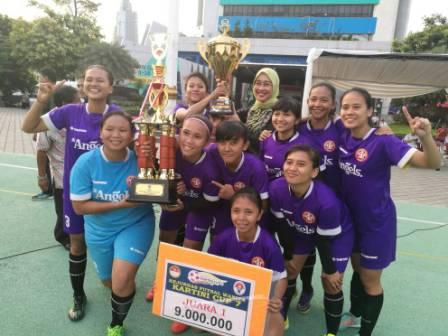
<point x="260" y="179"/>
<point x="216" y="247"/>
<point x="398" y="152"/>
<point x="210" y="191"/>
<point x="274" y="202"/>
<point x="58" y="118"/>
<point x="329" y="219"/>
<point x="261" y="150"/>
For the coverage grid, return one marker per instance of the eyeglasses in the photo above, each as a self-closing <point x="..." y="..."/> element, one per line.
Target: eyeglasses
<point x="263" y="84"/>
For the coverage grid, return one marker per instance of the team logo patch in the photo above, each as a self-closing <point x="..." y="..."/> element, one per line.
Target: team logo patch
<point x="174" y="271"/>
<point x="204" y="278"/>
<point x="238" y="185"/>
<point x="361" y="155"/>
<point x="308" y="217"/>
<point x="257" y="261"/>
<point x="129" y="180"/>
<point x="329" y="146"/>
<point x="196" y="182"/>
<point x="239" y="288"/>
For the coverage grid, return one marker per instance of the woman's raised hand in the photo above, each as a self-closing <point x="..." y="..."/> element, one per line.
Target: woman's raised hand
<point x="419" y="126"/>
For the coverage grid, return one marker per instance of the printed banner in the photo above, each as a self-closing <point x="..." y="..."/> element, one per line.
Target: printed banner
<point x="220" y="295"/>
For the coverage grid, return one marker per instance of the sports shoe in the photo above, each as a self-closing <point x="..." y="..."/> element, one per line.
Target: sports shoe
<point x="179" y="328"/>
<point x="150" y="294"/>
<point x="304" y="304"/>
<point x="41" y="196"/>
<point x="115" y="331"/>
<point x="286" y="324"/>
<point x="78" y="310"/>
<point x="349" y="320"/>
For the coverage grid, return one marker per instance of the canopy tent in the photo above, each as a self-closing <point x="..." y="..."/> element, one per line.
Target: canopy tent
<point x="384" y="75"/>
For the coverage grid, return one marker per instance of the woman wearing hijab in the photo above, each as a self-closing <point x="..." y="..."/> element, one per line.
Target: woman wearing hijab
<point x="258" y="117"/>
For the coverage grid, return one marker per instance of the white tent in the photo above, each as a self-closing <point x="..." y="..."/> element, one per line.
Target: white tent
<point x="384" y="75"/>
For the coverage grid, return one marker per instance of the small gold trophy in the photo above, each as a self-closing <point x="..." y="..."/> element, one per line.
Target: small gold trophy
<point x="156" y="182"/>
<point x="223" y="54"/>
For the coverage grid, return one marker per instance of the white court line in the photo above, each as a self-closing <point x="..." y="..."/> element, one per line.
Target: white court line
<point x="421" y="221"/>
<point x="15" y="166"/>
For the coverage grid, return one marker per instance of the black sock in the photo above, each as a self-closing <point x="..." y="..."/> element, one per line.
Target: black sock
<point x="356" y="295"/>
<point x="306" y="275"/>
<point x="77" y="269"/>
<point x="289" y="293"/>
<point x="370" y="312"/>
<point x="334" y="304"/>
<point x="120" y="308"/>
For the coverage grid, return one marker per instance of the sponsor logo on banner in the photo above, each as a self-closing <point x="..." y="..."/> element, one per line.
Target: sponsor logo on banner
<point x="174" y="271"/>
<point x="204" y="278"/>
<point x="239" y="288"/>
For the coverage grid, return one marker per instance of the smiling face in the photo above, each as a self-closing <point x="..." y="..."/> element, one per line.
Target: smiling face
<point x="298" y="168"/>
<point x="192" y="139"/>
<point x="245" y="215"/>
<point x="232" y="150"/>
<point x="284" y="121"/>
<point x="263" y="88"/>
<point x="195" y="90"/>
<point x="320" y="103"/>
<point x="116" y="133"/>
<point x="96" y="84"/>
<point x="355" y="113"/>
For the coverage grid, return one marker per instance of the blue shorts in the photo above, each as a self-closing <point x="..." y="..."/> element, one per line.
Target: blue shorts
<point x="73" y="223"/>
<point x="130" y="244"/>
<point x="377" y="249"/>
<point x="341" y="248"/>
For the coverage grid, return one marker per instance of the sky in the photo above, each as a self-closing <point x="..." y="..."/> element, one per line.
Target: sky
<point x="149" y="10"/>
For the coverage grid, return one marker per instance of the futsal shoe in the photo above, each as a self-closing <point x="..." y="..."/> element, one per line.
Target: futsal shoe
<point x="179" y="328"/>
<point x="150" y="294"/>
<point x="78" y="310"/>
<point x="348" y="321"/>
<point x="115" y="331"/>
<point x="304" y="304"/>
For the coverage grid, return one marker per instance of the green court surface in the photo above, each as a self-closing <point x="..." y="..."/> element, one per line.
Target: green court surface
<point x="35" y="289"/>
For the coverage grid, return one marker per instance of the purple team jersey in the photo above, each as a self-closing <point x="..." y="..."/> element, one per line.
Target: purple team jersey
<point x="365" y="168"/>
<point x="326" y="142"/>
<point x="318" y="212"/>
<point x="263" y="251"/>
<point x="83" y="135"/>
<point x="272" y="152"/>
<point x="198" y="179"/>
<point x="250" y="173"/>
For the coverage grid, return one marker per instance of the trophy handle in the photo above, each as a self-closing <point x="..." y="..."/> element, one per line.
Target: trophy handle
<point x="245" y="45"/>
<point x="202" y="46"/>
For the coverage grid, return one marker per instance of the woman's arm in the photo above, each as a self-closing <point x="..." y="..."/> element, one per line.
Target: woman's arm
<point x="32" y="123"/>
<point x="197" y="108"/>
<point x="94" y="207"/>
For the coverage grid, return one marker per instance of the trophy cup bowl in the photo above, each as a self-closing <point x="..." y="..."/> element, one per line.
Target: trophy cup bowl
<point x="223" y="54"/>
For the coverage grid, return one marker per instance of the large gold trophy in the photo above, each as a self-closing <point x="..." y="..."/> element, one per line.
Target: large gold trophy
<point x="223" y="54"/>
<point x="156" y="181"/>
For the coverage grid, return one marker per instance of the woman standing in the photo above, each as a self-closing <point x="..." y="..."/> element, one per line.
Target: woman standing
<point x="118" y="233"/>
<point x="258" y="118"/>
<point x="365" y="159"/>
<point x="82" y="122"/>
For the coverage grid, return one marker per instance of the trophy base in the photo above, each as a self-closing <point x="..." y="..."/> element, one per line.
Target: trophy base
<point x="153" y="191"/>
<point x="221" y="106"/>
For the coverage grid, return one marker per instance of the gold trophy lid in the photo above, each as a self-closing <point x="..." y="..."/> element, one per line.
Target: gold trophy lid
<point x="224" y="37"/>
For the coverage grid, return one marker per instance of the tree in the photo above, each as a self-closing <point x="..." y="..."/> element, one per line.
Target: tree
<point x="59" y="39"/>
<point x="12" y="75"/>
<point x="433" y="38"/>
<point x="113" y="56"/>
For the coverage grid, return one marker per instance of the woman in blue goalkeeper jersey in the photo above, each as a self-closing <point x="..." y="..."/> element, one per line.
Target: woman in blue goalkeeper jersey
<point x="118" y="233"/>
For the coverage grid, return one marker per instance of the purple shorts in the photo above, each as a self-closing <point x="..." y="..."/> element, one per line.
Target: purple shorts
<point x="377" y="249"/>
<point x="222" y="217"/>
<point x="73" y="223"/>
<point x="341" y="248"/>
<point x="198" y="224"/>
<point x="171" y="221"/>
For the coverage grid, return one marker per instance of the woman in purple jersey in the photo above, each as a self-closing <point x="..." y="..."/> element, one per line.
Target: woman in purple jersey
<point x="312" y="216"/>
<point x="365" y="160"/>
<point x="82" y="122"/>
<point x="248" y="243"/>
<point x="197" y="98"/>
